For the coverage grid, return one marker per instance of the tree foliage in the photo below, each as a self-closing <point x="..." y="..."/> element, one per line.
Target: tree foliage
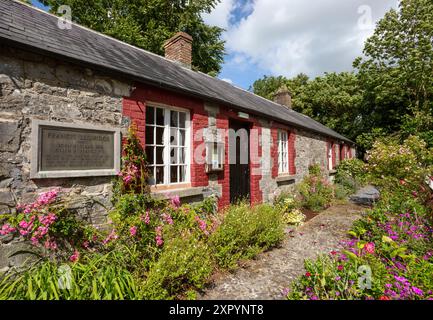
<point x="149" y="23"/>
<point x="396" y="71"/>
<point x="391" y="90"/>
<point x="332" y="99"/>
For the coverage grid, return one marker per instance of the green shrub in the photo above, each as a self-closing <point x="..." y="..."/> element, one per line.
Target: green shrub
<point x="351" y="175"/>
<point x="184" y="263"/>
<point x="406" y="166"/>
<point x="289" y="208"/>
<point x="246" y="231"/>
<point x="98" y="277"/>
<point x="315" y="191"/>
<point x="329" y="278"/>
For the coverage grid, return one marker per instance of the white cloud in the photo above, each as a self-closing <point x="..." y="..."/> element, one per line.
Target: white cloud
<point x="220" y="16"/>
<point x="291" y="36"/>
<point x="227" y="80"/>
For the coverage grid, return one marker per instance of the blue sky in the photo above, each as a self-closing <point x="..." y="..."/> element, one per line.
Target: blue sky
<point x="286" y="37"/>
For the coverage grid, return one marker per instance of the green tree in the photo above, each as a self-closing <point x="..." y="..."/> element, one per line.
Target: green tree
<point x="268" y="86"/>
<point x="396" y="71"/>
<point x="149" y="23"/>
<point x="333" y="100"/>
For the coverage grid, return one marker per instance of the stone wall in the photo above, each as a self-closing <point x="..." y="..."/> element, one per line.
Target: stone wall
<point x="309" y="149"/>
<point x="37" y="87"/>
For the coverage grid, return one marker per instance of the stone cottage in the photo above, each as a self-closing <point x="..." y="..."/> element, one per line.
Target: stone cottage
<point x="67" y="94"/>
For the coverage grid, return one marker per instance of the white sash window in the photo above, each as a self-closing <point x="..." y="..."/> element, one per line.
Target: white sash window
<point x="167" y="145"/>
<point x="283" y="155"/>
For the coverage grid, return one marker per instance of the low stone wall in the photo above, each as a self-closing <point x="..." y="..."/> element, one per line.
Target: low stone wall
<point x="37" y="87"/>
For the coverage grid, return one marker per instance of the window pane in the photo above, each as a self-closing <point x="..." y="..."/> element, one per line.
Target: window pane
<point x="181" y="155"/>
<point x="173" y="155"/>
<point x="151" y="179"/>
<point x="159" y="175"/>
<point x="173" y="174"/>
<point x="150" y="115"/>
<point x="159" y="155"/>
<point x="159" y="136"/>
<point x="159" y="116"/>
<point x="182" y="119"/>
<point x="182" y="137"/>
<point x="150" y="135"/>
<point x="173" y="119"/>
<point x="182" y="173"/>
<point x="173" y="137"/>
<point x="149" y="155"/>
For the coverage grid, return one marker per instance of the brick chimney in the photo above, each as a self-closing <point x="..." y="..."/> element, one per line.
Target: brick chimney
<point x="179" y="49"/>
<point x="282" y="96"/>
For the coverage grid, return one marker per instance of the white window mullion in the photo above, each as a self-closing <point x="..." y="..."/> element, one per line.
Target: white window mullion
<point x="166" y="146"/>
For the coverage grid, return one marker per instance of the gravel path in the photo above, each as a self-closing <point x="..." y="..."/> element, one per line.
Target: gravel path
<point x="272" y="271"/>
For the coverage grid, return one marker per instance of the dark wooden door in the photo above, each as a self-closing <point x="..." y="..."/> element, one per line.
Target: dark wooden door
<point x="239" y="160"/>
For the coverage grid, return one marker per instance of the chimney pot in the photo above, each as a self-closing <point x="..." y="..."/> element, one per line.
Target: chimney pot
<point x="283" y="97"/>
<point x="179" y="49"/>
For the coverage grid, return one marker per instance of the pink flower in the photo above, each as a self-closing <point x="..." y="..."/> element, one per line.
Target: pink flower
<point x="308" y="274"/>
<point x="369" y="247"/>
<point x="146" y="218"/>
<point x="112" y="236"/>
<point x="175" y="201"/>
<point x="133" y="231"/>
<point x="75" y="256"/>
<point x="34" y="240"/>
<point x="127" y="179"/>
<point x="46" y="198"/>
<point x="6" y="229"/>
<point x="340" y="267"/>
<point x="158" y="237"/>
<point x="201" y="224"/>
<point x="167" y="218"/>
<point x="23" y="224"/>
<point x="159" y="241"/>
<point x="51" y="245"/>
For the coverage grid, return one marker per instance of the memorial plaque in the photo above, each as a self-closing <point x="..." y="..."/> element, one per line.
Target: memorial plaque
<point x="67" y="150"/>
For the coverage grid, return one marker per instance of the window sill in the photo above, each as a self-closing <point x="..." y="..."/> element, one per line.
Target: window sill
<point x="285" y="178"/>
<point x="182" y="192"/>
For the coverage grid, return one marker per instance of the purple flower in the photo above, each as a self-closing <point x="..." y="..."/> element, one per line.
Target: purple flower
<point x="401" y="279"/>
<point x="417" y="291"/>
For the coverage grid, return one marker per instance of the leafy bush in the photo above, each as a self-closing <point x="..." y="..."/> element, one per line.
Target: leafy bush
<point x="289" y="208"/>
<point x="392" y="165"/>
<point x="99" y="277"/>
<point x="185" y="262"/>
<point x="245" y="231"/>
<point x="315" y="190"/>
<point x="396" y="245"/>
<point x="333" y="277"/>
<point x="351" y="175"/>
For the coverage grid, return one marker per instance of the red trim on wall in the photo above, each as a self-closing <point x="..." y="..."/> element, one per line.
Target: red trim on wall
<point x="134" y="107"/>
<point x="292" y="153"/>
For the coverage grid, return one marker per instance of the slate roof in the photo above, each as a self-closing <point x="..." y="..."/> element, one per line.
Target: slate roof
<point x="33" y="29"/>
